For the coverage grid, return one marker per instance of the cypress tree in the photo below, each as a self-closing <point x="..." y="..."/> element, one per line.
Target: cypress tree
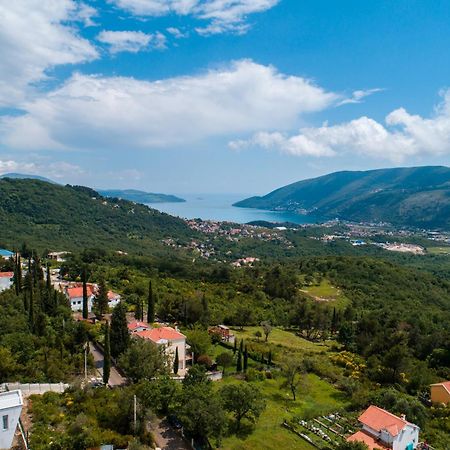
<point x="241" y="346"/>
<point x="239" y="362"/>
<point x="107" y="355"/>
<point x="235" y="346"/>
<point x="151" y="304"/>
<point x="205" y="312"/>
<point x="334" y="321"/>
<point x="31" y="309"/>
<point x="19" y="273"/>
<point x="101" y="299"/>
<point x="138" y="310"/>
<point x="245" y="359"/>
<point x="119" y="336"/>
<point x="175" y="362"/>
<point x="85" y="296"/>
<point x="48" y="280"/>
<point x="269" y="359"/>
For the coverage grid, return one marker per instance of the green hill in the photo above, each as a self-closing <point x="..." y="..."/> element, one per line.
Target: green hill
<point x="51" y="216"/>
<point x="141" y="196"/>
<point x="416" y="196"/>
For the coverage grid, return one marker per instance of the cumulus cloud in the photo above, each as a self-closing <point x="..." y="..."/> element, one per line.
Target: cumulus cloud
<point x="35" y="36"/>
<point x="108" y="112"/>
<point x="221" y="15"/>
<point x="401" y="136"/>
<point x="131" y="41"/>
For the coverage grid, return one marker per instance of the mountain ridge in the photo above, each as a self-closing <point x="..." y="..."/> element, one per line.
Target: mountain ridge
<point x="404" y="196"/>
<point x="139" y="196"/>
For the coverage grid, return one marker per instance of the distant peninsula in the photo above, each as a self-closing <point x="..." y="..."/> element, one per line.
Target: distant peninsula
<point x="405" y="196"/>
<point x="137" y="196"/>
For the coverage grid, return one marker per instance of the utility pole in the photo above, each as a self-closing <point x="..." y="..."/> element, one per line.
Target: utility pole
<point x="135" y="414"/>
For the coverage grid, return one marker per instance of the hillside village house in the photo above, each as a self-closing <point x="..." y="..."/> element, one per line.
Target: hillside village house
<point x="75" y="296"/>
<point x="137" y="326"/>
<point x="383" y="430"/>
<point x="440" y="392"/>
<point x="171" y="339"/>
<point x="223" y="332"/>
<point x="6" y="280"/>
<point x="11" y="403"/>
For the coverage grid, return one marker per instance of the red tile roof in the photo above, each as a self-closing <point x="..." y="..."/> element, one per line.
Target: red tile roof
<point x="113" y="295"/>
<point x="6" y="274"/>
<point x="445" y="384"/>
<point x="136" y="324"/>
<point x="157" y="334"/>
<point x="361" y="436"/>
<point x="378" y="419"/>
<point x="77" y="292"/>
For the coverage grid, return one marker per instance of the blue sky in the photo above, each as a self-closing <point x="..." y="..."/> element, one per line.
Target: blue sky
<point x="237" y="96"/>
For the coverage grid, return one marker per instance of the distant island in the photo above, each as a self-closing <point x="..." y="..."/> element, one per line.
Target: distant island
<point x="134" y="195"/>
<point x="412" y="196"/>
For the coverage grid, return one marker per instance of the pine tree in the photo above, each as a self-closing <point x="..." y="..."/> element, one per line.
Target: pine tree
<point x="175" y="362"/>
<point x="119" y="335"/>
<point x="85" y="296"/>
<point x="151" y="304"/>
<point x="245" y="359"/>
<point x="107" y="355"/>
<point x="239" y="362"/>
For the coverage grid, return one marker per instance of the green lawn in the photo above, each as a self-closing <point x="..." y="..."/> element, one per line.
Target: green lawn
<point x="438" y="250"/>
<point x="283" y="338"/>
<point x="314" y="398"/>
<point x="327" y="293"/>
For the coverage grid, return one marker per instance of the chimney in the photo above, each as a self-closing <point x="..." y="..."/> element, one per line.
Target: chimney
<point x="403" y="417"/>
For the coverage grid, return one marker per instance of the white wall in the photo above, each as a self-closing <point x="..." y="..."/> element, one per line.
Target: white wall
<point x="5" y="283"/>
<point x="407" y="435"/>
<point x="76" y="303"/>
<point x="7" y="436"/>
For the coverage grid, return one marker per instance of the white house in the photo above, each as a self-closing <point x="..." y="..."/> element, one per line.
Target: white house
<point x="381" y="430"/>
<point x="10" y="408"/>
<point x="75" y="296"/>
<point x="6" y="280"/>
<point x="172" y="340"/>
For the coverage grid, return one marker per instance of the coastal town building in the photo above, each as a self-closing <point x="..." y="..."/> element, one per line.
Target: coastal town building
<point x="11" y="403"/>
<point x="383" y="430"/>
<point x="74" y="293"/>
<point x="440" y="393"/>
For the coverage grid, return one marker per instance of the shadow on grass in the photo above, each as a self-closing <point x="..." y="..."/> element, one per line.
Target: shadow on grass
<point x="246" y="429"/>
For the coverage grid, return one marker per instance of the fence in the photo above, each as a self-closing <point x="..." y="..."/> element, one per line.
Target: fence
<point x="34" y="388"/>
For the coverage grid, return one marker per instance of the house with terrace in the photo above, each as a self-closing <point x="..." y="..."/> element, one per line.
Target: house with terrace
<point x="171" y="340"/>
<point x="383" y="430"/>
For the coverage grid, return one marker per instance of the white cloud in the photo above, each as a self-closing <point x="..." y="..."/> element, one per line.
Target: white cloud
<point x="403" y="135"/>
<point x="131" y="41"/>
<point x="118" y="112"/>
<point x="55" y="170"/>
<point x="359" y="95"/>
<point x="221" y="15"/>
<point x="35" y="36"/>
<point x="176" y="32"/>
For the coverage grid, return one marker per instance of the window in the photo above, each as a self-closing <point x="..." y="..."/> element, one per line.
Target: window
<point x="5" y="422"/>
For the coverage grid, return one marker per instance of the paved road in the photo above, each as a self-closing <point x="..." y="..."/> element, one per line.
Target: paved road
<point x="115" y="379"/>
<point x="166" y="437"/>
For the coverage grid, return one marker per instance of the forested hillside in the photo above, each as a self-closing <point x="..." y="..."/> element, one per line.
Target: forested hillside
<point x="417" y="196"/>
<point x="50" y="216"/>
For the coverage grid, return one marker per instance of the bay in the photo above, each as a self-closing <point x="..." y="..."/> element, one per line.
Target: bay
<point x="220" y="207"/>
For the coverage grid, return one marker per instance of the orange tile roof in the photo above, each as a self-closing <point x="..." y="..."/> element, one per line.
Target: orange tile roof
<point x="112" y="295"/>
<point x="136" y="324"/>
<point x="371" y="442"/>
<point x="445" y="384"/>
<point x="156" y="334"/>
<point x="379" y="419"/>
<point x="77" y="292"/>
<point x="6" y="274"/>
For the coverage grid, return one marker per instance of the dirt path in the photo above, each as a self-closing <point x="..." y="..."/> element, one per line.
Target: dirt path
<point x="166" y="437"/>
